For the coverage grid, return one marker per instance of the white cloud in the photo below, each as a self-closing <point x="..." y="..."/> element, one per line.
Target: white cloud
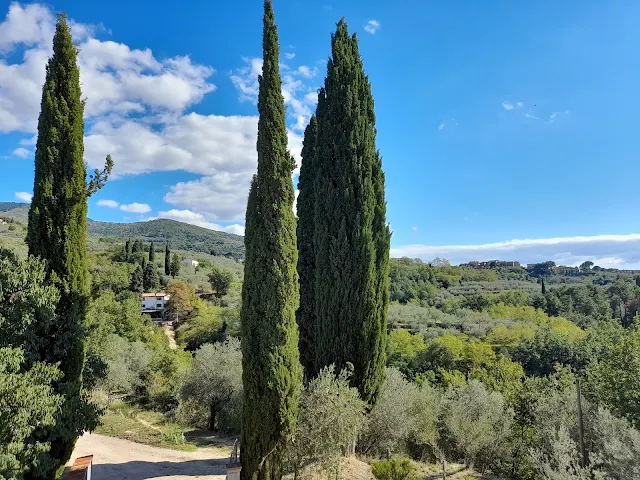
<point x="221" y="197"/>
<point x="414" y="228"/>
<point x="556" y="115"/>
<point x="604" y="250"/>
<point x="21" y="152"/>
<point x="198" y="219"/>
<point x="520" y="104"/>
<point x="441" y="126"/>
<point x="29" y="141"/>
<point x="289" y="55"/>
<point x="108" y="203"/>
<point x="245" y="79"/>
<point x="372" y="26"/>
<point x="528" y="115"/>
<point x="507" y="105"/>
<point x="296" y="194"/>
<point x="136" y="208"/>
<point x="24" y="196"/>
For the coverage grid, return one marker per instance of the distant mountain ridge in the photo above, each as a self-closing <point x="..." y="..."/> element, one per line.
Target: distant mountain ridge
<point x="181" y="236"/>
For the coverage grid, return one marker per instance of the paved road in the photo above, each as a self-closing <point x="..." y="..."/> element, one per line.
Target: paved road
<point x="114" y="458"/>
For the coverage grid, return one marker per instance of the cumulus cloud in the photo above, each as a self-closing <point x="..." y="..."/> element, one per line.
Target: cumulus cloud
<point x="24" y="196"/>
<point x="507" y="105"/>
<point x="604" y="250"/>
<point x="136" y="208"/>
<point x="372" y="27"/>
<point x="198" y="219"/>
<point x="21" y="152"/>
<point x="108" y="203"/>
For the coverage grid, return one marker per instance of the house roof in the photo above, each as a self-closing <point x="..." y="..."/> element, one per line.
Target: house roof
<point x="158" y="294"/>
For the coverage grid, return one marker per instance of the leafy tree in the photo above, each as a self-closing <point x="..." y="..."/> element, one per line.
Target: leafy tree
<point x="543" y="269"/>
<point x="152" y="253"/>
<point x="182" y="300"/>
<point x="614" y="380"/>
<point x="175" y="265"/>
<point x="127" y="363"/>
<point x="150" y="279"/>
<point x="127" y="250"/>
<point x="478" y="422"/>
<point x="387" y="427"/>
<point x="57" y="233"/>
<point x="424" y="416"/>
<point x="585" y="267"/>
<point x="138" y="246"/>
<point x="220" y="280"/>
<point x="215" y="381"/>
<point x="331" y="416"/>
<point x="351" y="237"/>
<point x="136" y="280"/>
<point x="27" y="403"/>
<point x="306" y="251"/>
<point x="271" y="370"/>
<point x="167" y="260"/>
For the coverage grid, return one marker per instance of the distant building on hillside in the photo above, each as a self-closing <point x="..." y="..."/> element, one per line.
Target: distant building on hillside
<point x="490" y="264"/>
<point x="154" y="303"/>
<point x="191" y="261"/>
<point x="564" y="270"/>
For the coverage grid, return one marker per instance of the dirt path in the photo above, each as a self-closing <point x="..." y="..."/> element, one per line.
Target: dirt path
<point x="171" y="335"/>
<point x="114" y="458"/>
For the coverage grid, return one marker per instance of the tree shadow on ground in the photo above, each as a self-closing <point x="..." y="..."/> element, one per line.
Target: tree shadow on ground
<point x="205" y="438"/>
<point x="141" y="470"/>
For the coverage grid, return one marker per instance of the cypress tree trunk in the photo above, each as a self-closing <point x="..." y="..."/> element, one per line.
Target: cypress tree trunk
<point x="306" y="252"/>
<point x="57" y="233"/>
<point x="351" y="237"/>
<point x="271" y="372"/>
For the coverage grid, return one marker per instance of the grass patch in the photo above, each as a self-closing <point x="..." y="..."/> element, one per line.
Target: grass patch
<point x="129" y="422"/>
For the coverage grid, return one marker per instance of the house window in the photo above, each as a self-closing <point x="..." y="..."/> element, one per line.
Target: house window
<point x="158" y="305"/>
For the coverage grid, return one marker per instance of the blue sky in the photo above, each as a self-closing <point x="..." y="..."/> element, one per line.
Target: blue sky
<point x="496" y="122"/>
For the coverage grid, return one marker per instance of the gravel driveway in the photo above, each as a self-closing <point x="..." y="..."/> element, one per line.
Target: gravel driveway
<point x="114" y="458"/>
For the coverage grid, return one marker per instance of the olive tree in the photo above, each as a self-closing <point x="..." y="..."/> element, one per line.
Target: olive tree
<point x="215" y="383"/>
<point x="331" y="416"/>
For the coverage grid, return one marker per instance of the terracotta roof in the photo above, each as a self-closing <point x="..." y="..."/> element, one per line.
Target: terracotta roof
<point x="158" y="294"/>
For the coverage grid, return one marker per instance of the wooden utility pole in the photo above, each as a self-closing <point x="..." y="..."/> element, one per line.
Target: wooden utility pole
<point x="583" y="451"/>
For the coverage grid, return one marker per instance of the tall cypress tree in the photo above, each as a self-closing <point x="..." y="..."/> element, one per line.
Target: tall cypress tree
<point x="152" y="253"/>
<point x="306" y="253"/>
<point x="351" y="237"/>
<point x="57" y="233"/>
<point x="271" y="372"/>
<point x="167" y="260"/>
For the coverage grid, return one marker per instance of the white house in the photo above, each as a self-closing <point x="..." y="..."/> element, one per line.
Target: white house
<point x="191" y="261"/>
<point x="154" y="301"/>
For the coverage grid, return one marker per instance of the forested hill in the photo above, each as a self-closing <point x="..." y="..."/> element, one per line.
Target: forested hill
<point x="181" y="236"/>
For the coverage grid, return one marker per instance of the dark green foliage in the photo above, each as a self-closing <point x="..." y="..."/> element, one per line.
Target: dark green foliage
<point x="351" y="236"/>
<point x="394" y="469"/>
<point x="138" y="246"/>
<point x="220" y="280"/>
<point x="271" y="373"/>
<point x="305" y="315"/>
<point x="150" y="279"/>
<point x="58" y="234"/>
<point x="98" y="179"/>
<point x="544" y="290"/>
<point x="127" y="250"/>
<point x="27" y="402"/>
<point x="167" y="260"/>
<point x="543" y="269"/>
<point x="136" y="282"/>
<point x="152" y="253"/>
<point x="175" y="265"/>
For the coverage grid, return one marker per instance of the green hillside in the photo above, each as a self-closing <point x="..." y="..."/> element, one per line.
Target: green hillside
<point x="181" y="236"/>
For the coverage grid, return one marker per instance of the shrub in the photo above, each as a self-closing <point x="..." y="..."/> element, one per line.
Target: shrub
<point x="394" y="469"/>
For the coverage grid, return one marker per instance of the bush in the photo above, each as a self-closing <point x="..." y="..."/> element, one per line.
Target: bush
<point x="331" y="415"/>
<point x="394" y="469"/>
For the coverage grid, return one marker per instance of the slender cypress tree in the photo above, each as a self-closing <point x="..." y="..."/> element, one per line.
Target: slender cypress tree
<point x="127" y="250"/>
<point x="167" y="260"/>
<point x="152" y="253"/>
<point x="351" y="237"/>
<point x="57" y="233"/>
<point x="271" y="373"/>
<point x="306" y="252"/>
<point x="136" y="280"/>
<point x="544" y="290"/>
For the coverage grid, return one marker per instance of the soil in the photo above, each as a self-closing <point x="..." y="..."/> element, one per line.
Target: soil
<point x="116" y="458"/>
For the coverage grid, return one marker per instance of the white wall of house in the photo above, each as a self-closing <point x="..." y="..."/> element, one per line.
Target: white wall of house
<point x="156" y="301"/>
<point x="190" y="261"/>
